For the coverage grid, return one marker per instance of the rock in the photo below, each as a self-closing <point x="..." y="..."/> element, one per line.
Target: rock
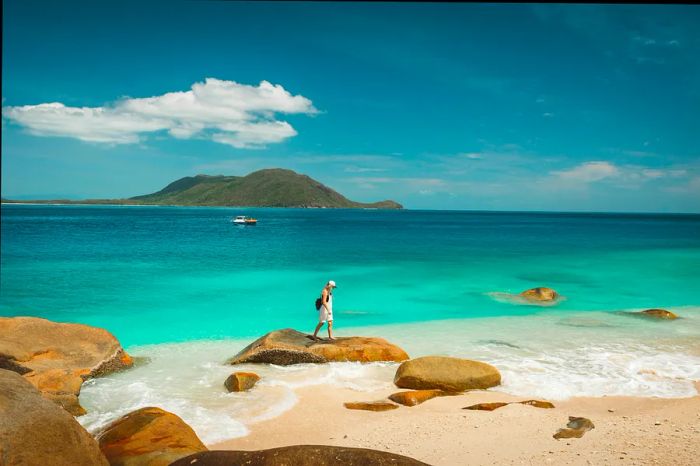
<point x="659" y="314"/>
<point x="148" y="437"/>
<point x="36" y="431"/>
<point x="500" y="404"/>
<point x="487" y="406"/>
<point x="416" y="397"/>
<point x="540" y="294"/>
<point x="57" y="358"/>
<point x="576" y="427"/>
<point x="299" y="455"/>
<point x="380" y="405"/>
<point x="538" y="404"/>
<point x="241" y="381"/>
<point x="287" y="346"/>
<point x="445" y="373"/>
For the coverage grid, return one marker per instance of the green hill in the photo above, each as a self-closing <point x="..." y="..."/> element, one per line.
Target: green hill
<point x="274" y="187"/>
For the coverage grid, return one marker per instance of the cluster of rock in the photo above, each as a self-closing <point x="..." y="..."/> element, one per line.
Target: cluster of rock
<point x="431" y="377"/>
<point x="43" y="365"/>
<point x="57" y="358"/>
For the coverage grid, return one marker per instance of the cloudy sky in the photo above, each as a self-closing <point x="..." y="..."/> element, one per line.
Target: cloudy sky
<point x="437" y="106"/>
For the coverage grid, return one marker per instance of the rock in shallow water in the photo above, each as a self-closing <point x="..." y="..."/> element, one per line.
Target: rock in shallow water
<point x="287" y="346"/>
<point x="300" y="455"/>
<point x="576" y="427"/>
<point x="36" y="431"/>
<point x="241" y="381"/>
<point x="659" y="314"/>
<point x="148" y="437"/>
<point x="445" y="373"/>
<point x="56" y="358"/>
<point x="380" y="405"/>
<point x="540" y="294"/>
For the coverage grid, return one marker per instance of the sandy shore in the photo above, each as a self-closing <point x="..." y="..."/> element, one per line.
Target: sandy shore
<point x="627" y="430"/>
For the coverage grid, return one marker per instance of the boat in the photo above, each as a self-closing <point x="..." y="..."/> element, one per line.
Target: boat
<point x="243" y="220"/>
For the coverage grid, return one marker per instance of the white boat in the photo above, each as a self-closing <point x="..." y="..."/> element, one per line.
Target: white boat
<point x="243" y="220"/>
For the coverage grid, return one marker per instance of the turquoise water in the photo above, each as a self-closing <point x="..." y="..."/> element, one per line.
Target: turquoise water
<point x="167" y="274"/>
<point x="186" y="289"/>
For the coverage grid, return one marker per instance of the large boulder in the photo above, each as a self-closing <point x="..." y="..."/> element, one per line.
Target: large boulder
<point x="300" y="455"/>
<point x="540" y="294"/>
<point x="148" y="437"/>
<point x="287" y="346"/>
<point x="56" y="358"/>
<point x="445" y="373"/>
<point x="36" y="431"/>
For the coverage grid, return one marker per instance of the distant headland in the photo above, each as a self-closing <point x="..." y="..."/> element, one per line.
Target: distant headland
<point x="273" y="187"/>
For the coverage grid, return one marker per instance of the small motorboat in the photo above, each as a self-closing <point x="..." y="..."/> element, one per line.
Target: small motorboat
<point x="243" y="220"/>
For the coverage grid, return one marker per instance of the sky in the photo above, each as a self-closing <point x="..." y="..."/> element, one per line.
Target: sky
<point x="542" y="107"/>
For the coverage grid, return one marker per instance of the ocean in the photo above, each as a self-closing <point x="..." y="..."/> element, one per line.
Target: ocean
<point x="186" y="288"/>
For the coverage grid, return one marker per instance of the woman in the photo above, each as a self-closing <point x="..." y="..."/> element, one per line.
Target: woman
<point x="325" y="313"/>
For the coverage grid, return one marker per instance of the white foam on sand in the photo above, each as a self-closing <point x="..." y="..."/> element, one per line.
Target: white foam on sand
<point x="551" y="355"/>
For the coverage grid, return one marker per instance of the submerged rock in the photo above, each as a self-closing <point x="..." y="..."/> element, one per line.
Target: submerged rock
<point x="445" y="373"/>
<point x="36" y="431"/>
<point x="576" y="427"/>
<point x="287" y="346"/>
<point x="540" y="294"/>
<point x="380" y="405"/>
<point x="416" y="397"/>
<point x="148" y="437"/>
<point x="241" y="381"/>
<point x="659" y="314"/>
<point x="300" y="455"/>
<point x="56" y="358"/>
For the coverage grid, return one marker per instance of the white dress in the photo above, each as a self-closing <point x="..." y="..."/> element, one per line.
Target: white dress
<point x="326" y="315"/>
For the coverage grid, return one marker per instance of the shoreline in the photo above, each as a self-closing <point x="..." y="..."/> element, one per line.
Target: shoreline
<point x="439" y="432"/>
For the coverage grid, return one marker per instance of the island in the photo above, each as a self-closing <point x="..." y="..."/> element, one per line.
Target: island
<point x="272" y="187"/>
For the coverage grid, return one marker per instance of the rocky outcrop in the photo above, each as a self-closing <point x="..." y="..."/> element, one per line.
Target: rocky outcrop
<point x="300" y="455"/>
<point x="56" y="358"/>
<point x="287" y="346"/>
<point x="658" y="314"/>
<point x="540" y="294"/>
<point x="445" y="373"/>
<point x="148" y="437"/>
<point x="36" y="431"/>
<point x="499" y="404"/>
<point x="241" y="381"/>
<point x="416" y="397"/>
<point x="380" y="405"/>
<point x="576" y="427"/>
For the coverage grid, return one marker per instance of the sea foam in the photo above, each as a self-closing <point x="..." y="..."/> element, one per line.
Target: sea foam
<point x="551" y="355"/>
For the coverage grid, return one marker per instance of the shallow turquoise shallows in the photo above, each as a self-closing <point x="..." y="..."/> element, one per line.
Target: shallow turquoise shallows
<point x="166" y="274"/>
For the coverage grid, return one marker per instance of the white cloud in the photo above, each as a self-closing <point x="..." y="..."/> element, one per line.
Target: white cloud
<point x="588" y="172"/>
<point x="227" y="112"/>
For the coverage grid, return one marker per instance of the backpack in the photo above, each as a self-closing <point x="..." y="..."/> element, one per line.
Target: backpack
<point x="319" y="301"/>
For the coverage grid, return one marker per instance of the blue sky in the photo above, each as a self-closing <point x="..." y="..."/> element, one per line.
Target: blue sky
<point x="438" y="106"/>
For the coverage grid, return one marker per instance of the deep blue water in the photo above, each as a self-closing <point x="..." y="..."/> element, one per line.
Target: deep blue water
<point x="158" y="274"/>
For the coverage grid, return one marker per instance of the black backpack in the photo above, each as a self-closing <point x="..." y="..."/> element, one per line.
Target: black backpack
<point x="319" y="301"/>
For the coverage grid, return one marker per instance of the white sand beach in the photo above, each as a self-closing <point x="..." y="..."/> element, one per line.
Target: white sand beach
<point x="628" y="430"/>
